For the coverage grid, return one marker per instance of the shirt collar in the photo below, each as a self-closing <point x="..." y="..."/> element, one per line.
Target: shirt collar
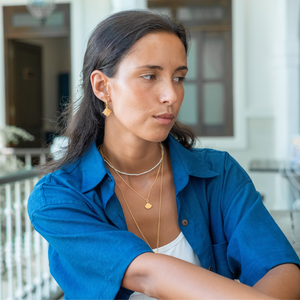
<point x="184" y="163"/>
<point x="93" y="168"/>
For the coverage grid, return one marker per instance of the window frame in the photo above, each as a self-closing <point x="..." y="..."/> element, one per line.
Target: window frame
<point x="200" y="29"/>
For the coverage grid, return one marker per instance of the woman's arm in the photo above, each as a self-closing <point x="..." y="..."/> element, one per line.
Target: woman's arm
<point x="165" y="277"/>
<point x="282" y="282"/>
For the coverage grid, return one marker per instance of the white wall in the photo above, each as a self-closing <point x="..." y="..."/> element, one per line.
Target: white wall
<point x="286" y="76"/>
<point x="259" y="106"/>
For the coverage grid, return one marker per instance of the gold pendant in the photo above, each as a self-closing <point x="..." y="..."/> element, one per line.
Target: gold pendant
<point x="148" y="205"/>
<point x="106" y="112"/>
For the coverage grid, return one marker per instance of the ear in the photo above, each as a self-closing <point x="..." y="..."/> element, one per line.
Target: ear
<point x="99" y="82"/>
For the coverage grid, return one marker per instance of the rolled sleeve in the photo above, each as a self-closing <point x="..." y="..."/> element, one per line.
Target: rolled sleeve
<point x="255" y="242"/>
<point x="247" y="242"/>
<point x="88" y="256"/>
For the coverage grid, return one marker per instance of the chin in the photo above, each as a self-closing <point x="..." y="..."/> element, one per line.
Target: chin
<point x="159" y="137"/>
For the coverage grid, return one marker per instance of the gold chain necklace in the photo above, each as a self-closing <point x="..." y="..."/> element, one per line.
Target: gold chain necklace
<point x="130" y="174"/>
<point x="159" y="211"/>
<point x="148" y="205"/>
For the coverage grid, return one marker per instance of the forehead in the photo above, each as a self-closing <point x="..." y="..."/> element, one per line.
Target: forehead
<point x="156" y="48"/>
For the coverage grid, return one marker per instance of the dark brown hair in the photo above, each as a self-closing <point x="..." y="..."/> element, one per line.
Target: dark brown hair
<point x="110" y="41"/>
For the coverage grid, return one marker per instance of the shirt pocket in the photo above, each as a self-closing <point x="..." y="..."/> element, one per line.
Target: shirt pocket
<point x="220" y="254"/>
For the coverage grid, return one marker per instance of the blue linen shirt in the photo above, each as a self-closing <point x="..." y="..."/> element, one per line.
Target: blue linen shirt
<point x="219" y="211"/>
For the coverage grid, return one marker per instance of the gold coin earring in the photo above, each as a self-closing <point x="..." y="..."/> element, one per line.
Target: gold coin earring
<point x="106" y="111"/>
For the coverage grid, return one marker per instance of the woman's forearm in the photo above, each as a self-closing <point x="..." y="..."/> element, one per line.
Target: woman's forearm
<point x="165" y="277"/>
<point x="282" y="282"/>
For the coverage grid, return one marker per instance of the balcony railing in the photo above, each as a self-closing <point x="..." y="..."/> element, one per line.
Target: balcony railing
<point x="24" y="270"/>
<point x="30" y="156"/>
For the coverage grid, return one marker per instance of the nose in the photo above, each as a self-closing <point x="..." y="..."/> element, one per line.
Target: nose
<point x="168" y="93"/>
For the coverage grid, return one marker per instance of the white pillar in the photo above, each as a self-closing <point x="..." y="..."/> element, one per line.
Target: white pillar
<point x="286" y="87"/>
<point x="94" y="11"/>
<point x="2" y="82"/>
<point x="286" y="76"/>
<point x="119" y="5"/>
<point x="85" y="15"/>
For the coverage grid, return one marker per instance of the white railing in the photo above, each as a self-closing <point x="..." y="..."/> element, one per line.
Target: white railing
<point x="24" y="271"/>
<point x="30" y="156"/>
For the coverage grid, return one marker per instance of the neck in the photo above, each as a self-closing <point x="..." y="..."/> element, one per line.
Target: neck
<point x="131" y="156"/>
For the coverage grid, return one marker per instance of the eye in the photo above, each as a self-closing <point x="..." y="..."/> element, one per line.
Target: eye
<point x="149" y="77"/>
<point x="179" y="79"/>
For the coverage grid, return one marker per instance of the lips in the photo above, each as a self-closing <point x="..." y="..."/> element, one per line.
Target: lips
<point x="164" y="118"/>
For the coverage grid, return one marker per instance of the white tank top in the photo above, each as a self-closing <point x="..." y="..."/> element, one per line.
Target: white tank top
<point x="179" y="248"/>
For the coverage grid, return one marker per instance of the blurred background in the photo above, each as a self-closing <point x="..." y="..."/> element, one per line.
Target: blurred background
<point x="241" y="96"/>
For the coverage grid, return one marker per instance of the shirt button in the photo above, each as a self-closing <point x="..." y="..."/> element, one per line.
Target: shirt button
<point x="184" y="222"/>
<point x="210" y="268"/>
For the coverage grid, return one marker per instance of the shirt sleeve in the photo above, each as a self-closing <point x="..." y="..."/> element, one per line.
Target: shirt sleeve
<point x="255" y="242"/>
<point x="88" y="256"/>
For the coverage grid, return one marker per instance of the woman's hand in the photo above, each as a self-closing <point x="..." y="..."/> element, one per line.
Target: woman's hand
<point x="165" y="277"/>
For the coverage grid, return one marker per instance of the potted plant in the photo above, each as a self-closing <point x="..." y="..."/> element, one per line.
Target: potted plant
<point x="11" y="135"/>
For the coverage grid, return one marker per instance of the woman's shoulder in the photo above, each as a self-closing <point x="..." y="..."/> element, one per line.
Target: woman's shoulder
<point x="219" y="161"/>
<point x="53" y="189"/>
<point x="87" y="168"/>
<point x="69" y="183"/>
<point x="69" y="175"/>
<point x="216" y="161"/>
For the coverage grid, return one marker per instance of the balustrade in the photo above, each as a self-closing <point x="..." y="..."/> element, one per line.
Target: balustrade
<point x="30" y="156"/>
<point x="24" y="270"/>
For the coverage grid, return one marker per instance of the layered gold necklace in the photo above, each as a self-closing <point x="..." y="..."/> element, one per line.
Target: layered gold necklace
<point x="132" y="174"/>
<point x="148" y="205"/>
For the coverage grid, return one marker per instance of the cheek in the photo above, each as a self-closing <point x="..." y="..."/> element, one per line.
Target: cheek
<point x="180" y="96"/>
<point x="129" y="92"/>
<point x="130" y="109"/>
<point x="133" y="98"/>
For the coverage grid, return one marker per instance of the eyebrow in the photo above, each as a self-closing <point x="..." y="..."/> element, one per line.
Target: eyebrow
<point x="161" y="68"/>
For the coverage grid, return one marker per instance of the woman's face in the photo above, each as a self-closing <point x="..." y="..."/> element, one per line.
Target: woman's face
<point x="147" y="91"/>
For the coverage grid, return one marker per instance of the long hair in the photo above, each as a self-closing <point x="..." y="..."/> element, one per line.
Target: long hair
<point x="110" y="41"/>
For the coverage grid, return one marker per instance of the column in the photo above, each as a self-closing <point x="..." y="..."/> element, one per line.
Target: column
<point x="119" y="5"/>
<point x="286" y="88"/>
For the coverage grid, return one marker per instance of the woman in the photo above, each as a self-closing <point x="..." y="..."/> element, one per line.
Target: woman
<point x="131" y="182"/>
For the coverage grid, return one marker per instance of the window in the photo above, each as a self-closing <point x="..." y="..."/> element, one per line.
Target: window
<point x="208" y="101"/>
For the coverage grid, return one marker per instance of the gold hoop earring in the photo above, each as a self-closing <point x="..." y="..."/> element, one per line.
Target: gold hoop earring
<point x="106" y="111"/>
